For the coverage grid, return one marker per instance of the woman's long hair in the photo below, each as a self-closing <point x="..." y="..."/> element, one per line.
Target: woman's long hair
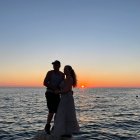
<point x="72" y="72"/>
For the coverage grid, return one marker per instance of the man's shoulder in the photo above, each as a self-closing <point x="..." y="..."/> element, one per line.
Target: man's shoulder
<point x="61" y="73"/>
<point x="50" y="72"/>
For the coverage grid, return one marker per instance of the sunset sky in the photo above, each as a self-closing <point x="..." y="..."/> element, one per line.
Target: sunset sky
<point x="100" y="39"/>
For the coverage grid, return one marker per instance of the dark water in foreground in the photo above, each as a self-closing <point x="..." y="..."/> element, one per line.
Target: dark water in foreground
<point x="103" y="114"/>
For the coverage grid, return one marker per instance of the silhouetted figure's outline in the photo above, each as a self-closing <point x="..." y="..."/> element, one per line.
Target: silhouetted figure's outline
<point x="52" y="81"/>
<point x="65" y="123"/>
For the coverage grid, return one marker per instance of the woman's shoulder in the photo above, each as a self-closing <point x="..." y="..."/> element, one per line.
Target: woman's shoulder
<point x="70" y="79"/>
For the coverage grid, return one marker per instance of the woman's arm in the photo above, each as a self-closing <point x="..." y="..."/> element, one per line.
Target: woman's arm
<point x="67" y="86"/>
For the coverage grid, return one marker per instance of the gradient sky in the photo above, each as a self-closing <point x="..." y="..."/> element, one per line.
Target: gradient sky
<point x="100" y="39"/>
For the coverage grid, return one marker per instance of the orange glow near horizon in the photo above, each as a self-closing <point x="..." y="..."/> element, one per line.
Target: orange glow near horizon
<point x="82" y="86"/>
<point x="84" y="81"/>
<point x="109" y="81"/>
<point x="18" y="80"/>
<point x="40" y="84"/>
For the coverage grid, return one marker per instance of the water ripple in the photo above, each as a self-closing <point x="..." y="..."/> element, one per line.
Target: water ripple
<point x="103" y="114"/>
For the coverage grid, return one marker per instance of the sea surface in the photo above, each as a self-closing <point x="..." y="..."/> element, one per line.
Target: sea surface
<point x="102" y="113"/>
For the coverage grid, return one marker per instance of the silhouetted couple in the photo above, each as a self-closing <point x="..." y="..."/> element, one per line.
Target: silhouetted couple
<point x="60" y="101"/>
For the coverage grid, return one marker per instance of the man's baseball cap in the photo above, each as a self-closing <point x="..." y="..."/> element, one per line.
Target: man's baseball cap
<point x="56" y="62"/>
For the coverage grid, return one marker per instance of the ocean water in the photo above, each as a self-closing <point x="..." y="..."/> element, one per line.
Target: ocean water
<point x="102" y="113"/>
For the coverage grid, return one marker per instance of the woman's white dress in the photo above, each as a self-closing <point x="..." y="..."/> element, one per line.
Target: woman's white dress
<point x="65" y="122"/>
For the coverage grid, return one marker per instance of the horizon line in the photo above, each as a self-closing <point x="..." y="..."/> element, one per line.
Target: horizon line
<point x="74" y="87"/>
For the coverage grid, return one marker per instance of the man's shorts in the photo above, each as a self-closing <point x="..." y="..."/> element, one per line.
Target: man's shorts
<point x="52" y="101"/>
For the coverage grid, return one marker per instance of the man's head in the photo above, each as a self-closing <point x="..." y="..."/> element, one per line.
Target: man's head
<point x="56" y="65"/>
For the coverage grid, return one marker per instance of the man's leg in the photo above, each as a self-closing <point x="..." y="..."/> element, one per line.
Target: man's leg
<point x="50" y="112"/>
<point x="49" y="119"/>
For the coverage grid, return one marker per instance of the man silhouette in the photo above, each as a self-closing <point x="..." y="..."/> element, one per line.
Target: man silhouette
<point x="52" y="81"/>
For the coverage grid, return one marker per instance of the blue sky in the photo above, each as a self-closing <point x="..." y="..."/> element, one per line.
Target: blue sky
<point x="94" y="36"/>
